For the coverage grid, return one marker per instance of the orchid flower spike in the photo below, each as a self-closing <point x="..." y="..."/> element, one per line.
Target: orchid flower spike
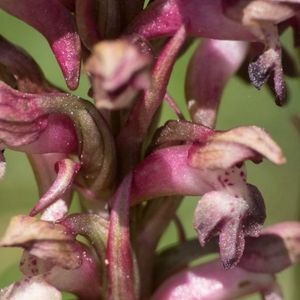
<point x="130" y="173"/>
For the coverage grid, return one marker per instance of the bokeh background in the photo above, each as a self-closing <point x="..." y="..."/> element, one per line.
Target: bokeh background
<point x="242" y="104"/>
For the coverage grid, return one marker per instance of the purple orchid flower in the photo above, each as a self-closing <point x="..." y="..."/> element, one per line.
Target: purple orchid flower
<point x="130" y="174"/>
<point x="53" y="256"/>
<point x="243" y="20"/>
<point x="276" y="248"/>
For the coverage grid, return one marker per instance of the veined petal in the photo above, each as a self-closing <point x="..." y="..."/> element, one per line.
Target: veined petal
<point x="212" y="282"/>
<point x="61" y="35"/>
<point x="210" y="68"/>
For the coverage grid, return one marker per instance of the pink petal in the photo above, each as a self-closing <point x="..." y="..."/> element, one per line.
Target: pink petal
<point x="277" y="248"/>
<point x="54" y="254"/>
<point x="233" y="217"/>
<point x="212" y="65"/>
<point x="167" y="172"/>
<point x="61" y="36"/>
<point x="60" y="123"/>
<point x="23" y="121"/>
<point x="118" y="70"/>
<point x="212" y="282"/>
<point x="203" y="18"/>
<point x="224" y="149"/>
<point x="67" y="170"/>
<point x="44" y="170"/>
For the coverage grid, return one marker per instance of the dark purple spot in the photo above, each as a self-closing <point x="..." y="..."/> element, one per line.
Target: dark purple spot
<point x="239" y="165"/>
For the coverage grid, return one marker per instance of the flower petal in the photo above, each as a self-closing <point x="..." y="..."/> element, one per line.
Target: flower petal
<point x="277" y="248"/>
<point x="209" y="164"/>
<point x="225" y="149"/>
<point x="95" y="229"/>
<point x="180" y="132"/>
<point x="118" y="71"/>
<point x="205" y="19"/>
<point x="35" y="230"/>
<point x="83" y="280"/>
<point x="211" y="282"/>
<point x="34" y="288"/>
<point x="53" y="253"/>
<point x="62" y="36"/>
<point x="67" y="170"/>
<point x="210" y="68"/>
<point x="262" y="18"/>
<point x="234" y="217"/>
<point x="60" y="123"/>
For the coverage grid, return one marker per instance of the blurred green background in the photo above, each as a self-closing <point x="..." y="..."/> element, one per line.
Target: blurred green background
<point x="241" y="105"/>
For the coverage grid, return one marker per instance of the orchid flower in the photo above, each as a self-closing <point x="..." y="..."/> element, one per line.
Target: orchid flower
<point x="242" y="20"/>
<point x="130" y="173"/>
<point x="276" y="248"/>
<point x="53" y="257"/>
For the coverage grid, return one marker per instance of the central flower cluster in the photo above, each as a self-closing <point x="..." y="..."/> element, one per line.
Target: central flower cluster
<point x="130" y="173"/>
